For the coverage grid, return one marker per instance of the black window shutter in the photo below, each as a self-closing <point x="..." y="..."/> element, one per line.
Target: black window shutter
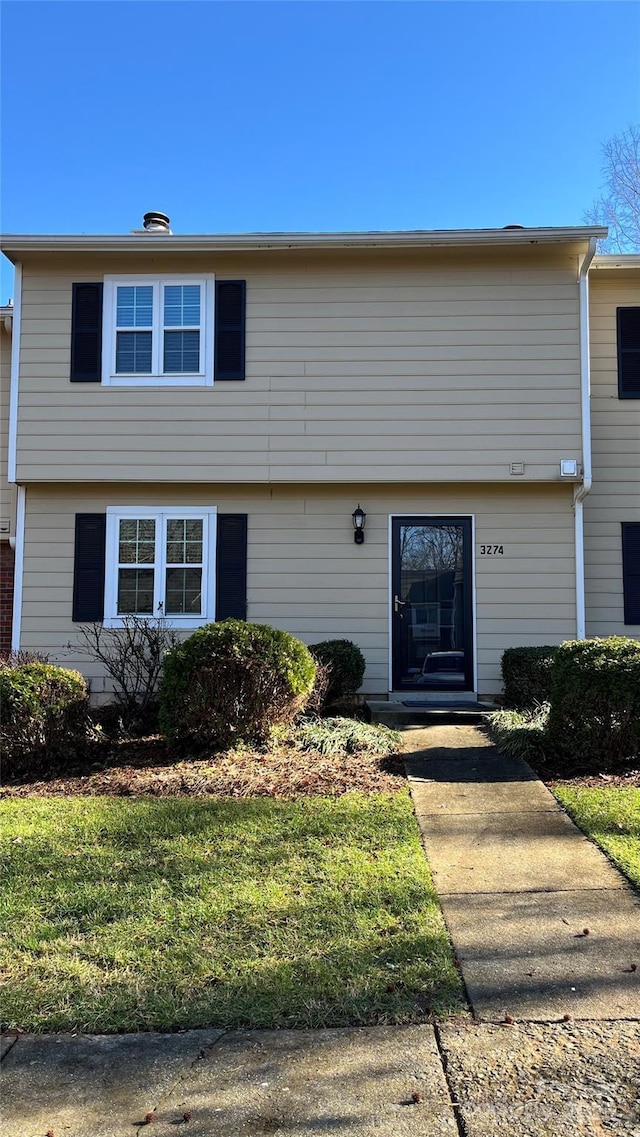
<point x="629" y="353"/>
<point x="231" y="566"/>
<point x="230" y="329"/>
<point x="88" y="570"/>
<point x="631" y="571"/>
<point x="86" y="333"/>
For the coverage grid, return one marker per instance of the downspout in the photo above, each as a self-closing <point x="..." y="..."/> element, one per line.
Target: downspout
<point x="582" y="490"/>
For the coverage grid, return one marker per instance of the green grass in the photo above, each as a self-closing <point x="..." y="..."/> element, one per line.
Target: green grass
<point x="161" y="914"/>
<point x="611" y="817"/>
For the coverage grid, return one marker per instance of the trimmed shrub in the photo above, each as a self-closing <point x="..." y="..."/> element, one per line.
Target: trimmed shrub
<point x="346" y="665"/>
<point x="44" y="716"/>
<point x="233" y="681"/>
<point x="594" y="721"/>
<point x="526" y="672"/>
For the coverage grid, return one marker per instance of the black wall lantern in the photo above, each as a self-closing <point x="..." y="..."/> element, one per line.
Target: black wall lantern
<point x="359" y="517"/>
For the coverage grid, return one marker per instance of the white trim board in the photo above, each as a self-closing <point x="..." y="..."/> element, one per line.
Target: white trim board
<point x="12" y="447"/>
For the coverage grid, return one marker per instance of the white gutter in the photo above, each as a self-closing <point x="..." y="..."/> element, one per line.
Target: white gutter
<point x="15" y="366"/>
<point x="15" y="245"/>
<point x="582" y="490"/>
<point x="18" y="569"/>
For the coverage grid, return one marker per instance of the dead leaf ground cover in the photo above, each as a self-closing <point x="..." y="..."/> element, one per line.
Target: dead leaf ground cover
<point x="145" y="766"/>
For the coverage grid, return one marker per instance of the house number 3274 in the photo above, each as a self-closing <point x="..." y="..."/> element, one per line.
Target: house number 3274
<point x="492" y="550"/>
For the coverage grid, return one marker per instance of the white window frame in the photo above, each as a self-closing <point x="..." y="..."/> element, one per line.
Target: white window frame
<point x="161" y="514"/>
<point x="157" y="378"/>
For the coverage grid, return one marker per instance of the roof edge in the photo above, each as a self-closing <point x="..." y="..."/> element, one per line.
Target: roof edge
<point x="13" y="245"/>
<point x="616" y="260"/>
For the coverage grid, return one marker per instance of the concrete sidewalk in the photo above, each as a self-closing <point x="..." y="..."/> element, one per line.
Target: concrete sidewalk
<point x="479" y="1080"/>
<point x="541" y="922"/>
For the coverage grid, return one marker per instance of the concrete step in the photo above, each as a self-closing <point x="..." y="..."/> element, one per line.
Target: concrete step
<point x="392" y="712"/>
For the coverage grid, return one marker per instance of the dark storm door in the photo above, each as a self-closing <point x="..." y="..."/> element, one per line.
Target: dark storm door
<point x="432" y="610"/>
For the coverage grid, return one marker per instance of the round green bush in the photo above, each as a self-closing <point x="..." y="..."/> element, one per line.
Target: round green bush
<point x="346" y="665"/>
<point x="232" y="681"/>
<point x="594" y="720"/>
<point x="44" y="716"/>
<point x="526" y="672"/>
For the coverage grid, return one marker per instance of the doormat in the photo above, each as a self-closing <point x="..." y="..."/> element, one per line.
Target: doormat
<point x="428" y="704"/>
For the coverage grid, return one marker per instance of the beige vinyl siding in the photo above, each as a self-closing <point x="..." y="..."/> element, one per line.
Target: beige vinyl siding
<point x="306" y="575"/>
<point x="7" y="492"/>
<point x="615" y="496"/>
<point x="416" y="366"/>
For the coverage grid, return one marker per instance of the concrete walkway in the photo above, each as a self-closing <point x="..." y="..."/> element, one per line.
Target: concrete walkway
<point x="541" y="922"/>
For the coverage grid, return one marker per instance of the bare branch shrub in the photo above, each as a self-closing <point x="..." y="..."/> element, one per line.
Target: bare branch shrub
<point x="20" y="658"/>
<point x="318" y="696"/>
<point x="132" y="657"/>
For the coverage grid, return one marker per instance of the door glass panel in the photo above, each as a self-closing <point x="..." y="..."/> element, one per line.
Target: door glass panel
<point x="431" y="632"/>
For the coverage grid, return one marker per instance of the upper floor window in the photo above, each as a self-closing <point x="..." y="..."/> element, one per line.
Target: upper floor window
<point x="629" y="353"/>
<point x="158" y="331"/>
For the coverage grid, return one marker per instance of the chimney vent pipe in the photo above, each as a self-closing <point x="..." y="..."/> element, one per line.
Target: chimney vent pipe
<point x="156" y="222"/>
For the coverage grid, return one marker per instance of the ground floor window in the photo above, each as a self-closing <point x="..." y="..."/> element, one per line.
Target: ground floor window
<point x="160" y="562"/>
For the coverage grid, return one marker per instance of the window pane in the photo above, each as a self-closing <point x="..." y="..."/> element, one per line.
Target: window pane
<point x="181" y="352"/>
<point x="137" y="542"/>
<point x="184" y="542"/>
<point x="135" y="592"/>
<point x="135" y="306"/>
<point x="182" y="306"/>
<point x="184" y="591"/>
<point x="133" y="353"/>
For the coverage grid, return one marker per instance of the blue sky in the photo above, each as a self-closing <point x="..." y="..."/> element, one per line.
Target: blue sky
<point x="256" y="116"/>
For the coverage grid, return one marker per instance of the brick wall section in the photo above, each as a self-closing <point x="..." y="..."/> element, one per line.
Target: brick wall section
<point x="6" y="594"/>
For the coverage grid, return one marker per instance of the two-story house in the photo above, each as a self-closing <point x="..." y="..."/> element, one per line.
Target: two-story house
<point x="380" y="436"/>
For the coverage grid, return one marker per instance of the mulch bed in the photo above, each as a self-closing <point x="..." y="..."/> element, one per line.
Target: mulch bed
<point x="630" y="779"/>
<point x="145" y="768"/>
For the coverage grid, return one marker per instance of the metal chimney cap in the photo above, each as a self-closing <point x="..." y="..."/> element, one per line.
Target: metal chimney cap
<point x="156" y="222"/>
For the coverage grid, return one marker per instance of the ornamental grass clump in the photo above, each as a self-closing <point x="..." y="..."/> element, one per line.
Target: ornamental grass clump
<point x="520" y="734"/>
<point x="348" y="736"/>
<point x="44" y="717"/>
<point x="233" y="681"/>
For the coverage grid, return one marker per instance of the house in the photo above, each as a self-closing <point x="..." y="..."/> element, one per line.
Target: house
<point x="380" y="436"/>
<point x="612" y="507"/>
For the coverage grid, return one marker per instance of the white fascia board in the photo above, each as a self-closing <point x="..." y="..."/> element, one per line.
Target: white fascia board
<point x="616" y="260"/>
<point x="15" y="246"/>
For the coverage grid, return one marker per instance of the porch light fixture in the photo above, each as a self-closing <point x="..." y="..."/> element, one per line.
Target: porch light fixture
<point x="359" y="518"/>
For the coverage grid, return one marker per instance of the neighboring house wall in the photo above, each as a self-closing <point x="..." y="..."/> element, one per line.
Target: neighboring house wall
<point x="615" y="497"/>
<point x="306" y="575"/>
<point x="361" y="367"/>
<point x="7" y="492"/>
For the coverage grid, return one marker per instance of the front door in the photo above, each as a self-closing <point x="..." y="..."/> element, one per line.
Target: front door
<point x="431" y="604"/>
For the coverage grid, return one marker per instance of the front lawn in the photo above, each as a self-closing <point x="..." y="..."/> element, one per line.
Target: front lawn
<point x="610" y="816"/>
<point x="123" y="914"/>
